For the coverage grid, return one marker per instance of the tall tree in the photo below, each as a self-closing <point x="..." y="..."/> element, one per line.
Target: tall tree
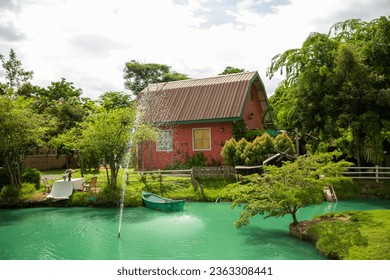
<point x="15" y="75"/>
<point x="61" y="100"/>
<point x="61" y="103"/>
<point x="21" y="131"/>
<point x="139" y="75"/>
<point x="336" y="85"/>
<point x="108" y="134"/>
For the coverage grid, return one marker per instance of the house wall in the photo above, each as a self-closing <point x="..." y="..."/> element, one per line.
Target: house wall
<point x="45" y="162"/>
<point x="253" y="106"/>
<point x="183" y="145"/>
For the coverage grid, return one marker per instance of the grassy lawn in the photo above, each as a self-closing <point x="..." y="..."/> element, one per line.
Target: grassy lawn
<point x="176" y="187"/>
<point x="354" y="235"/>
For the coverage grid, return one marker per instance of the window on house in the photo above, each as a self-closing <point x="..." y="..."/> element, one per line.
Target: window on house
<point x="201" y="138"/>
<point x="164" y="140"/>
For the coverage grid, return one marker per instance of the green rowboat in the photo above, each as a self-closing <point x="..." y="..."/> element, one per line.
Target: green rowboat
<point x="156" y="202"/>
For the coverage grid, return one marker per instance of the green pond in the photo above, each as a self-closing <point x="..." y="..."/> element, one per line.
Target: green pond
<point x="203" y="231"/>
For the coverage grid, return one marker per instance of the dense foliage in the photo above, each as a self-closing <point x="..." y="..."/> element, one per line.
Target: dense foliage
<point x="107" y="135"/>
<point x="21" y="130"/>
<point x="253" y="153"/>
<point x="337" y="89"/>
<point x="139" y="75"/>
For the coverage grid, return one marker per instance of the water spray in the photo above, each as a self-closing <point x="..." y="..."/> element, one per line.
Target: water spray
<point x="121" y="212"/>
<point x="122" y="201"/>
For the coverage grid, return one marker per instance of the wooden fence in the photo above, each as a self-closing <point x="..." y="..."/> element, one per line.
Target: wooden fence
<point x="177" y="173"/>
<point x="197" y="172"/>
<point x="371" y="173"/>
<point x="214" y="172"/>
<point x="359" y="173"/>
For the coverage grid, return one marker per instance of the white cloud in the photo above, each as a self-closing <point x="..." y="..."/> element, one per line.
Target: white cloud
<point x="88" y="42"/>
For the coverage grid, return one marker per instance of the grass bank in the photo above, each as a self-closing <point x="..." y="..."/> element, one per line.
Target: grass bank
<point x="353" y="235"/>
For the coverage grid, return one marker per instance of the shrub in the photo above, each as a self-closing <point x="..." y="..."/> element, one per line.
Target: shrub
<point x="27" y="190"/>
<point x="79" y="199"/>
<point x="253" y="153"/>
<point x="32" y="175"/>
<point x="283" y="142"/>
<point x="132" y="200"/>
<point x="9" y="195"/>
<point x="197" y="160"/>
<point x="108" y="197"/>
<point x="240" y="155"/>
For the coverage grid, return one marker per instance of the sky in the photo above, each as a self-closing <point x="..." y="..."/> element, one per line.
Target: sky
<point x="88" y="42"/>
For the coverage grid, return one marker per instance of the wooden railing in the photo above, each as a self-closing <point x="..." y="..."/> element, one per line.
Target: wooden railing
<point x="215" y="172"/>
<point x="376" y="172"/>
<point x="198" y="172"/>
<point x="178" y="173"/>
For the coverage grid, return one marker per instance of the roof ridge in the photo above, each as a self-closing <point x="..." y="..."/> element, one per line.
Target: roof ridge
<point x="230" y="74"/>
<point x="206" y="78"/>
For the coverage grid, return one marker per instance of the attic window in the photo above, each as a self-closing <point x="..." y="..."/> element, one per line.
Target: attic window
<point x="164" y="140"/>
<point x="201" y="139"/>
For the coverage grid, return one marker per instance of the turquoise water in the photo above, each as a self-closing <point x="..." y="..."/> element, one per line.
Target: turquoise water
<point x="203" y="231"/>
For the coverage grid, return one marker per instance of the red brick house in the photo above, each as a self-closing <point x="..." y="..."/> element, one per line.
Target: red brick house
<point x="197" y="115"/>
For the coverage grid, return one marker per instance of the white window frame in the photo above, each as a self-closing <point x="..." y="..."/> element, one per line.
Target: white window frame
<point x="193" y="138"/>
<point x="160" y="138"/>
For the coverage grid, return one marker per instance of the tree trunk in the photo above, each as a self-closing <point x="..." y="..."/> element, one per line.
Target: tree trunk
<point x="81" y="163"/>
<point x="294" y="216"/>
<point x="14" y="171"/>
<point x="107" y="175"/>
<point x="114" y="174"/>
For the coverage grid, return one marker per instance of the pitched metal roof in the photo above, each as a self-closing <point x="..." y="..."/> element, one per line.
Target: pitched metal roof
<point x="200" y="100"/>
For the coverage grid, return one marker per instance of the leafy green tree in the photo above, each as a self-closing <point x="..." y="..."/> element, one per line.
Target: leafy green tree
<point x="15" y="74"/>
<point x="21" y="131"/>
<point x="284" y="190"/>
<point x="361" y="107"/>
<point x="336" y="83"/>
<point x="284" y="107"/>
<point x="57" y="95"/>
<point x="114" y="100"/>
<point x="3" y="89"/>
<point x="231" y="70"/>
<point x="61" y="104"/>
<point x="139" y="75"/>
<point x="108" y="134"/>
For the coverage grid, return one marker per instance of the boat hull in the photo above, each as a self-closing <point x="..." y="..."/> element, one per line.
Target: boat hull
<point x="159" y="203"/>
